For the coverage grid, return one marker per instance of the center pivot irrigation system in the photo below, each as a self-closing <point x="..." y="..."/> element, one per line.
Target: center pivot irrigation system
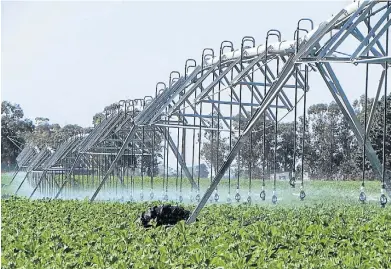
<point x="244" y="87"/>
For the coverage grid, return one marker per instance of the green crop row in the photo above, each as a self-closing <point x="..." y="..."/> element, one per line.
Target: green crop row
<point x="78" y="234"/>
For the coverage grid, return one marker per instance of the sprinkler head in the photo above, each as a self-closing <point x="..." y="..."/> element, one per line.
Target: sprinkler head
<point x="198" y="197"/>
<point x="141" y="196"/>
<point x="292" y="182"/>
<point x="165" y="197"/>
<point x="216" y="196"/>
<point x="263" y="195"/>
<point x="180" y="198"/>
<point x="383" y="199"/>
<point x="249" y="199"/>
<point x="302" y="195"/>
<point x="151" y="195"/>
<point x="229" y="200"/>
<point x="237" y="195"/>
<point x="362" y="197"/>
<point x="274" y="197"/>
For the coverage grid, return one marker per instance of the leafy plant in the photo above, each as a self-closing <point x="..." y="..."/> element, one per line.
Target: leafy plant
<point x="78" y="234"/>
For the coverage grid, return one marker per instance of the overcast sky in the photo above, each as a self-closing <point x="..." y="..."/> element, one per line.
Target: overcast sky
<point x="68" y="60"/>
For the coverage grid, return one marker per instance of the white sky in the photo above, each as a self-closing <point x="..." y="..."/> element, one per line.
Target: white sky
<point x="68" y="60"/>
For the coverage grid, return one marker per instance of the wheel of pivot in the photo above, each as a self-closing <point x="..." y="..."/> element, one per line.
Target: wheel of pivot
<point x="274" y="199"/>
<point x="262" y="195"/>
<point x="362" y="197"/>
<point x="302" y="195"/>
<point x="383" y="200"/>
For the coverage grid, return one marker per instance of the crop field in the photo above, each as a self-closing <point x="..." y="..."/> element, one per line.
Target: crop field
<point x="318" y="233"/>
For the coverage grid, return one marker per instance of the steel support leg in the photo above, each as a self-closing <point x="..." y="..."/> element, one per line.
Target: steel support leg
<point x="177" y="154"/>
<point x="113" y="164"/>
<point x="374" y="104"/>
<point x="343" y="103"/>
<point x="14" y="175"/>
<point x="38" y="183"/>
<point x="68" y="175"/>
<point x="21" y="183"/>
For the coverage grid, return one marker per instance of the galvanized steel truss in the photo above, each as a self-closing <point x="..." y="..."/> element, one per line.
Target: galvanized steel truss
<point x="241" y="87"/>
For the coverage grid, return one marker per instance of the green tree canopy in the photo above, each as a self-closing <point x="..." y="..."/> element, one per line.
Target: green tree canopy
<point x="14" y="129"/>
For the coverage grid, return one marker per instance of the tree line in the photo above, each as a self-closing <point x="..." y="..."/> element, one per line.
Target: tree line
<point x="16" y="131"/>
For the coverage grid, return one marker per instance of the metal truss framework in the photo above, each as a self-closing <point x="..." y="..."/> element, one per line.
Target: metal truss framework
<point x="243" y="87"/>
